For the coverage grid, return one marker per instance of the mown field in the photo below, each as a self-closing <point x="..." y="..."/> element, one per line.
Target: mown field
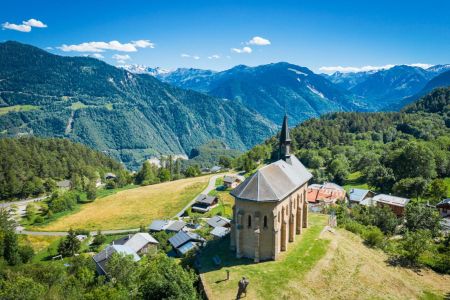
<point x="321" y="265"/>
<point x="131" y="208"/>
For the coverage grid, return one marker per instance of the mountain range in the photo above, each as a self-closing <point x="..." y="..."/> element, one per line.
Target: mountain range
<point x="134" y="112"/>
<point x="130" y="116"/>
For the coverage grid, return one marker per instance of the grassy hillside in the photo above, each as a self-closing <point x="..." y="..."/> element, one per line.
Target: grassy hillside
<point x="132" y="208"/>
<point x="321" y="265"/>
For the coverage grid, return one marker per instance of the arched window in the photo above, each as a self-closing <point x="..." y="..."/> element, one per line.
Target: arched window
<point x="249" y="221"/>
<point x="265" y="221"/>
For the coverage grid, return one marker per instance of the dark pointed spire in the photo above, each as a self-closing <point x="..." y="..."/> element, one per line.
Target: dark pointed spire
<point x="285" y="140"/>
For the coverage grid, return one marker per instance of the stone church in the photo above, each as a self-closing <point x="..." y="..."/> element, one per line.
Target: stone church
<point x="270" y="206"/>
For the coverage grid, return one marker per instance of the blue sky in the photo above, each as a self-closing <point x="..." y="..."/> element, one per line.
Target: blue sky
<point x="202" y="34"/>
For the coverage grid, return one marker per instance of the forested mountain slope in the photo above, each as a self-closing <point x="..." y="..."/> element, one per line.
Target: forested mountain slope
<point x="401" y="152"/>
<point x="130" y="116"/>
<point x="29" y="165"/>
<point x="271" y="90"/>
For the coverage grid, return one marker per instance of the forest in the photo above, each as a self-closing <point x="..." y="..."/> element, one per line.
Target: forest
<point x="31" y="166"/>
<point x="406" y="153"/>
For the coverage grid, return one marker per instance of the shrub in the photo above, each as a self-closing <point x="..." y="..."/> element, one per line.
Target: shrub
<point x="373" y="236"/>
<point x="39" y="220"/>
<point x="354" y="227"/>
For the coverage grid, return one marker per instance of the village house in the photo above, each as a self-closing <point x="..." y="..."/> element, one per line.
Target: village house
<point x="175" y="226"/>
<point x="444" y="207"/>
<point x="101" y="259"/>
<point x="142" y="243"/>
<point x="183" y="242"/>
<point x="232" y="181"/>
<point x="218" y="221"/>
<point x="270" y="206"/>
<point x="204" y="203"/>
<point x="327" y="193"/>
<point x="158" y="225"/>
<point x="397" y="204"/>
<point x="220" y="232"/>
<point x="356" y="196"/>
<point x="109" y="176"/>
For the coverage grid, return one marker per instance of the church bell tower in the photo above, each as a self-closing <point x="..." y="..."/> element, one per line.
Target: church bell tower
<point x="285" y="141"/>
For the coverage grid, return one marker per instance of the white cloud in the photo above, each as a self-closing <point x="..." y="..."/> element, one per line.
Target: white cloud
<point x="258" y="41"/>
<point x="367" y="68"/>
<point x="25" y="26"/>
<point x="112" y="45"/>
<point x="35" y="23"/>
<point x="242" y="50"/>
<point x="214" y="56"/>
<point x="185" y="55"/>
<point x="21" y="28"/>
<point x="121" y="58"/>
<point x="95" y="55"/>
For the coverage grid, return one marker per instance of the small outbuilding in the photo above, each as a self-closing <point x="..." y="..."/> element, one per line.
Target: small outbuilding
<point x="175" y="226"/>
<point x="219" y="232"/>
<point x="357" y="195"/>
<point x="158" y="225"/>
<point x="204" y="203"/>
<point x="444" y="207"/>
<point x="64" y="184"/>
<point x="232" y="181"/>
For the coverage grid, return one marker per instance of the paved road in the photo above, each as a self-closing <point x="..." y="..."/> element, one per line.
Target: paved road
<point x="211" y="186"/>
<point x="22" y="202"/>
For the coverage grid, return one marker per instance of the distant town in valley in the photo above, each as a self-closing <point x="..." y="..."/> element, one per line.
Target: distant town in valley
<point x="225" y="150"/>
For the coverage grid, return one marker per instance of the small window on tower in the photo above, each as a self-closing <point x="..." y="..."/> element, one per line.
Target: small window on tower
<point x="265" y="221"/>
<point x="249" y="221"/>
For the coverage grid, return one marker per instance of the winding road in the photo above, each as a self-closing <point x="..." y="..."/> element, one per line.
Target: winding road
<point x="19" y="229"/>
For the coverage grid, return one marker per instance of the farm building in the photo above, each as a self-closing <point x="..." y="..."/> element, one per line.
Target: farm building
<point x="183" y="242"/>
<point x="355" y="196"/>
<point x="328" y="193"/>
<point x="397" y="204"/>
<point x="204" y="203"/>
<point x="270" y="206"/>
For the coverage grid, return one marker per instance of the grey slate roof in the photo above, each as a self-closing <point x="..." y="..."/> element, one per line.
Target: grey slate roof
<point x="220" y="231"/>
<point x="187" y="247"/>
<point x="273" y="182"/>
<point x="102" y="257"/>
<point x="175" y="226"/>
<point x="158" y="225"/>
<point x="443" y="203"/>
<point x="64" y="183"/>
<point x="206" y="199"/>
<point x="139" y="241"/>
<point x="392" y="200"/>
<point x="357" y="195"/>
<point x="218" y="221"/>
<point x="183" y="237"/>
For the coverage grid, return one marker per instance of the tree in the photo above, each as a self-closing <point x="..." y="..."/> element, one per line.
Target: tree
<point x="164" y="174"/>
<point x="225" y="161"/>
<point x="419" y="216"/>
<point x="30" y="211"/>
<point x="437" y="190"/>
<point x="69" y="245"/>
<point x="20" y="287"/>
<point x="339" y="169"/>
<point x="412" y="161"/>
<point x="123" y="271"/>
<point x="99" y="238"/>
<point x="411" y="187"/>
<point x="380" y="177"/>
<point x="147" y="174"/>
<point x="26" y="253"/>
<point x="415" y="243"/>
<point x="91" y="191"/>
<point x="11" y="248"/>
<point x="162" y="277"/>
<point x="192" y="171"/>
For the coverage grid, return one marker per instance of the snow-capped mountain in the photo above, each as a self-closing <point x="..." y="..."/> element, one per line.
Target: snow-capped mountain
<point x="142" y="69"/>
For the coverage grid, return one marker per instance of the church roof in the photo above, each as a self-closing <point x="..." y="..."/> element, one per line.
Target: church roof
<point x="273" y="182"/>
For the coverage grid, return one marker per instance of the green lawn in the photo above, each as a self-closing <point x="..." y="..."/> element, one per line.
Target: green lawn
<point x="78" y="105"/>
<point x="354" y="180"/>
<point x="16" y="108"/>
<point x="267" y="279"/>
